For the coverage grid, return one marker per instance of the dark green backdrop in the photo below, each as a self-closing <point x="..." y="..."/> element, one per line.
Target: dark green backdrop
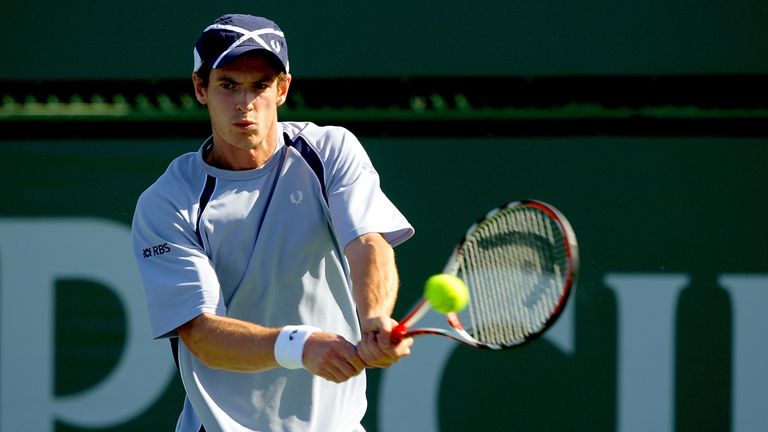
<point x="692" y="206"/>
<point x="141" y="39"/>
<point x="660" y="205"/>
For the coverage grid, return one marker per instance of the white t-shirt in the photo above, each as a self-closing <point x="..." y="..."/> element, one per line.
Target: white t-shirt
<point x="257" y="245"/>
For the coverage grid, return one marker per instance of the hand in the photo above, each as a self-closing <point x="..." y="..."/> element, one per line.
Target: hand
<point x="332" y="357"/>
<point x="376" y="348"/>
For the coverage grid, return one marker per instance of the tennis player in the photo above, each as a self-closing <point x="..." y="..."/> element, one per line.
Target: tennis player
<point x="268" y="252"/>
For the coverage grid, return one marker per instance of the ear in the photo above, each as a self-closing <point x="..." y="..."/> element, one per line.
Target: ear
<point x="200" y="90"/>
<point x="282" y="90"/>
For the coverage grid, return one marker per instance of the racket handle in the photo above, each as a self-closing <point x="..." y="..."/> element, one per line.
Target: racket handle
<point x="398" y="334"/>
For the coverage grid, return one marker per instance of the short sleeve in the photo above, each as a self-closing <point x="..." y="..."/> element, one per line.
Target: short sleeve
<point x="357" y="203"/>
<point x="179" y="280"/>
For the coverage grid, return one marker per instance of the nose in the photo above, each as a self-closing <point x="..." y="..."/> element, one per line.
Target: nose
<point x="245" y="101"/>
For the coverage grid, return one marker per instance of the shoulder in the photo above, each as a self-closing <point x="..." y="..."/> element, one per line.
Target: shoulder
<point x="334" y="144"/>
<point x="319" y="136"/>
<point x="176" y="186"/>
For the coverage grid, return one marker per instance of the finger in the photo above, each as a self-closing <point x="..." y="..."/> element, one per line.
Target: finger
<point x="371" y="352"/>
<point x="354" y="358"/>
<point x="332" y="372"/>
<point x="404" y="351"/>
<point x="363" y="348"/>
<point x="372" y="361"/>
<point x="372" y="325"/>
<point x="369" y="343"/>
<point x="335" y="376"/>
<point x="403" y="348"/>
<point x="384" y="339"/>
<point x="343" y="371"/>
<point x="406" y="342"/>
<point x="349" y="360"/>
<point x="396" y="352"/>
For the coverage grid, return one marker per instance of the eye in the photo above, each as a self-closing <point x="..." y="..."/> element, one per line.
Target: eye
<point x="227" y="85"/>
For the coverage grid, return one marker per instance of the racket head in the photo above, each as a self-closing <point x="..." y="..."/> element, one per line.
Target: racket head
<point x="520" y="263"/>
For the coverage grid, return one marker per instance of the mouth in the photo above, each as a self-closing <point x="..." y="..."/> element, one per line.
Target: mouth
<point x="245" y="125"/>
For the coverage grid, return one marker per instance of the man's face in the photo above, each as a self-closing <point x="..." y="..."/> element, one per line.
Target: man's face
<point x="242" y="99"/>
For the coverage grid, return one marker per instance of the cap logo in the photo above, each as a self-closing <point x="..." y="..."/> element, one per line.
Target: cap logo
<point x="254" y="35"/>
<point x="276" y="45"/>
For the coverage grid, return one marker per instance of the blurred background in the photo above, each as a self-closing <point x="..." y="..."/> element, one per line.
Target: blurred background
<point x="646" y="123"/>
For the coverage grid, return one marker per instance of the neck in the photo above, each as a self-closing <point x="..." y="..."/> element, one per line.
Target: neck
<point x="226" y="156"/>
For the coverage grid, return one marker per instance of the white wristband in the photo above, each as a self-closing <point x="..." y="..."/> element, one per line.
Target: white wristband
<point x="289" y="347"/>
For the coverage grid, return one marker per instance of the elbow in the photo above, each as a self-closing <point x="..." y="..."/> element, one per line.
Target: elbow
<point x="369" y="244"/>
<point x="205" y="358"/>
<point x="194" y="335"/>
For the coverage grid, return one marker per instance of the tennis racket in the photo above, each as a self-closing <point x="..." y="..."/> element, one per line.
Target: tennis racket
<point x="520" y="264"/>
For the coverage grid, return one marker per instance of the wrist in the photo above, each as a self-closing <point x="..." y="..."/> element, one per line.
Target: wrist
<point x="289" y="346"/>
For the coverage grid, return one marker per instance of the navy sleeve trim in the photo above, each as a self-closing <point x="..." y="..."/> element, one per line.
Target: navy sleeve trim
<point x="205" y="196"/>
<point x="311" y="157"/>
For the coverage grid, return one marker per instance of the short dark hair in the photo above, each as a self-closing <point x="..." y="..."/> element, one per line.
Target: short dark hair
<point x="204" y="74"/>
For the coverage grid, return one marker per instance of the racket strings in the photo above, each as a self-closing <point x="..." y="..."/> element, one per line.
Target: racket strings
<point x="514" y="264"/>
<point x="490" y="310"/>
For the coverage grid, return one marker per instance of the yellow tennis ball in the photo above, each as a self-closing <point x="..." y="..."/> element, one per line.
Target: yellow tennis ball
<point x="446" y="293"/>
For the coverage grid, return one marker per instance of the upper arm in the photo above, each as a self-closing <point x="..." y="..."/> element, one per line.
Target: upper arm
<point x="178" y="278"/>
<point x="374" y="275"/>
<point x="368" y="244"/>
<point x="357" y="203"/>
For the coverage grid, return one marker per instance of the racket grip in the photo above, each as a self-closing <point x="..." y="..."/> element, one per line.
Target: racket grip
<point x="398" y="334"/>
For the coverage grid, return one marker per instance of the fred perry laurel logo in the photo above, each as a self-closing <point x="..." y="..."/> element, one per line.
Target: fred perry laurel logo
<point x="156" y="250"/>
<point x="297" y="197"/>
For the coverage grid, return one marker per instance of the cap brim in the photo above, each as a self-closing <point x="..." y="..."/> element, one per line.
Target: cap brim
<point x="240" y="50"/>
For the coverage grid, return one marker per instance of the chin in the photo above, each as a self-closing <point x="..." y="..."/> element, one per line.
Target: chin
<point x="247" y="141"/>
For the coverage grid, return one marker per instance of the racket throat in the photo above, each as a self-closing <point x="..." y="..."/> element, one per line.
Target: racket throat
<point x="453" y="320"/>
<point x="416" y="314"/>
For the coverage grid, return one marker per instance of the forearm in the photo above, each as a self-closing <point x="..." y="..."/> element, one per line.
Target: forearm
<point x="374" y="275"/>
<point x="374" y="285"/>
<point x="226" y="343"/>
<point x="239" y="346"/>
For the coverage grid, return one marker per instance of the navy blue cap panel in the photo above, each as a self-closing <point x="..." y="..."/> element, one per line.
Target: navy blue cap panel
<point x="232" y="35"/>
